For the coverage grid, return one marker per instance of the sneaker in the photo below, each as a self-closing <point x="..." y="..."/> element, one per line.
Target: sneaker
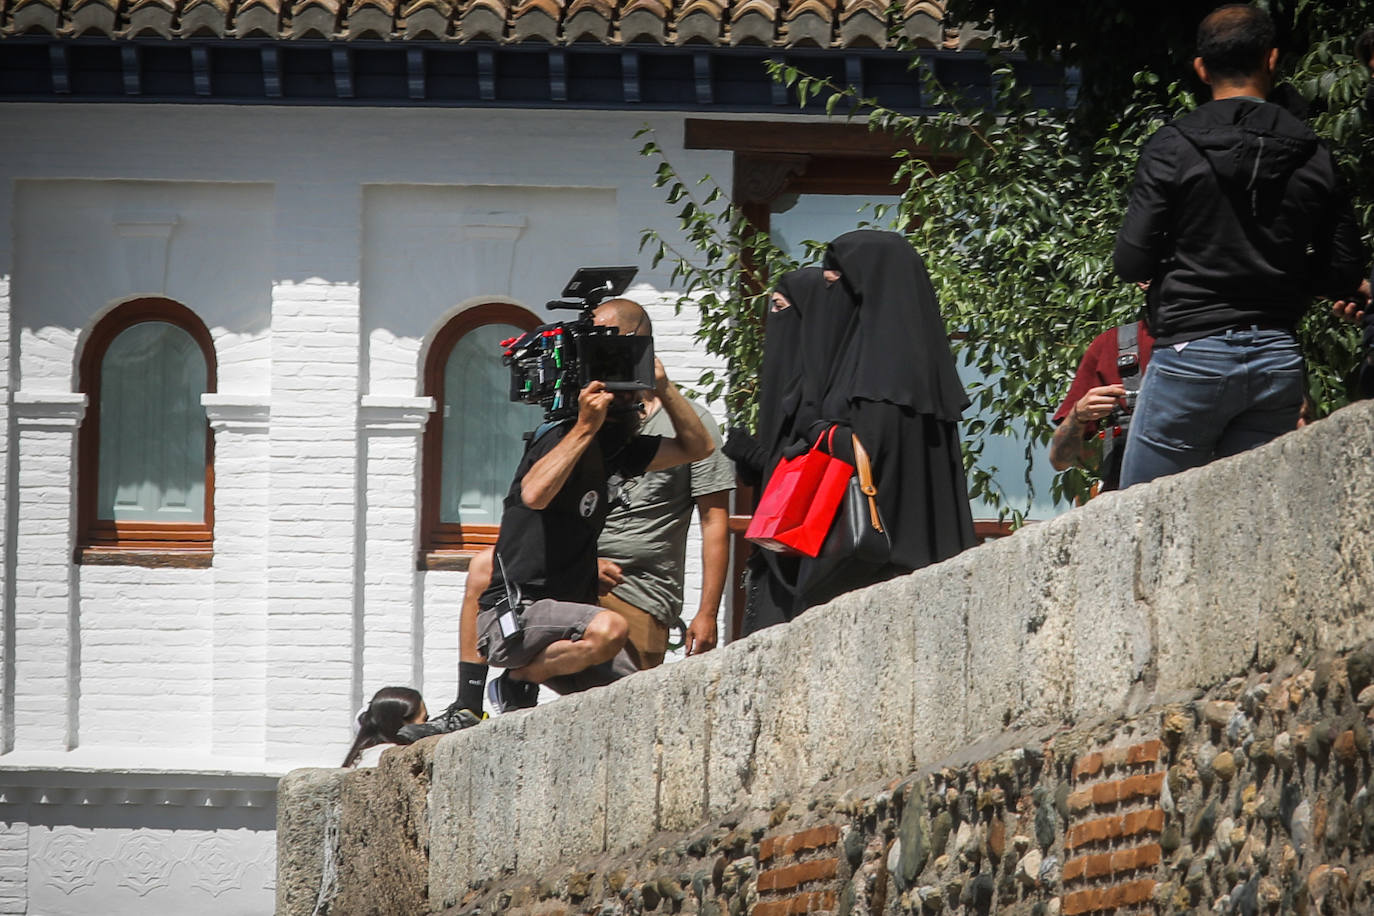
<point x="507" y="694"/>
<point x="450" y="720"/>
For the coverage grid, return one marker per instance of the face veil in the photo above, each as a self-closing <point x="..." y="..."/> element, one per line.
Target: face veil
<point x="800" y="346"/>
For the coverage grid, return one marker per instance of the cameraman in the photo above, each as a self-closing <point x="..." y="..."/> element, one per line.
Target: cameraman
<point x="544" y="567"/>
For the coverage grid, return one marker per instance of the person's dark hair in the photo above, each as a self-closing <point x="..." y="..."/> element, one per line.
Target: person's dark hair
<point x="391" y="707"/>
<point x="1364" y="47"/>
<point x="1234" y="41"/>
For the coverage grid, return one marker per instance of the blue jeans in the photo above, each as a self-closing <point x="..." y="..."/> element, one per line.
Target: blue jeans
<point x="1218" y="396"/>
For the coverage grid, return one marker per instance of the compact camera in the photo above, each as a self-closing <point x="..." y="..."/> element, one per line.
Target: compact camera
<point x="551" y="364"/>
<point x="1128" y="365"/>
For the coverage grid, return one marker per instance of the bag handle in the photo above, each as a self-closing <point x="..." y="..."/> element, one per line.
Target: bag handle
<point x="828" y="435"/>
<point x="866" y="482"/>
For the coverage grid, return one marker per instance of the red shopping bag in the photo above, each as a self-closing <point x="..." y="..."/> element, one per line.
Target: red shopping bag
<point x="800" y="500"/>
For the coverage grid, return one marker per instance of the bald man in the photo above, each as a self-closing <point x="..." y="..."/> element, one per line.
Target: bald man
<point x="538" y="617"/>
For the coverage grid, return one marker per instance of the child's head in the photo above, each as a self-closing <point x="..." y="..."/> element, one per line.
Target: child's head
<point x="391" y="708"/>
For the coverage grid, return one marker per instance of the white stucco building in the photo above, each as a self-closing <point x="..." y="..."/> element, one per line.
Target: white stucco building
<point x="251" y="272"/>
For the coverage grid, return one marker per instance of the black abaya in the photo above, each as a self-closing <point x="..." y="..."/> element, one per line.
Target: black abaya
<point x="800" y="345"/>
<point x="898" y="388"/>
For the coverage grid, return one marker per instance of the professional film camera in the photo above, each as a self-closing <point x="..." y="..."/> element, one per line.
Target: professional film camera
<point x="552" y="363"/>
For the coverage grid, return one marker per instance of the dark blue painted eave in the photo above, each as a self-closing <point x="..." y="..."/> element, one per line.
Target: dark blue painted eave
<point x="474" y="74"/>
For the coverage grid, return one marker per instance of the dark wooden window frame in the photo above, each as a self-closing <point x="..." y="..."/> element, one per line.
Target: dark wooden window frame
<point x="102" y="541"/>
<point x="449" y="544"/>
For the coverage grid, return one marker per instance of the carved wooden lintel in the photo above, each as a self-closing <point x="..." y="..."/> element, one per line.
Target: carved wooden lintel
<point x="760" y="178"/>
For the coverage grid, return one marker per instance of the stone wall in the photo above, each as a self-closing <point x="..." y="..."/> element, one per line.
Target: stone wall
<point x="1251" y="797"/>
<point x="1039" y="724"/>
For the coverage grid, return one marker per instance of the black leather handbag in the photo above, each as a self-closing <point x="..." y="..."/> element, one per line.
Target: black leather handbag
<point x="858" y="530"/>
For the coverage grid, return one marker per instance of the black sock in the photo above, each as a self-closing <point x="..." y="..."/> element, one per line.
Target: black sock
<point x="472" y="681"/>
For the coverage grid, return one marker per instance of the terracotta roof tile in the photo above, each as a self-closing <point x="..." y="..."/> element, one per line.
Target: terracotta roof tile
<point x="701" y="21"/>
<point x="427" y="19"/>
<point x="809" y="22"/>
<point x="753" y="22"/>
<point x="922" y="23"/>
<point x="371" y="19"/>
<point x="645" y="20"/>
<point x="315" y="19"/>
<point x="204" y="18"/>
<point x="863" y="23"/>
<point x="483" y="19"/>
<point x="536" y="19"/>
<point x="258" y="19"/>
<point x="33" y="16"/>
<point x="90" y="17"/>
<point x="149" y="18"/>
<point x="767" y="23"/>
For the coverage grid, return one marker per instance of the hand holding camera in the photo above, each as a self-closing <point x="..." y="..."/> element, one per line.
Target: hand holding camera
<point x="593" y="403"/>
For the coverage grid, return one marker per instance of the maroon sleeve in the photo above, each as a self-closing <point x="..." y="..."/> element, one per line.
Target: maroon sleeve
<point x="1097" y="368"/>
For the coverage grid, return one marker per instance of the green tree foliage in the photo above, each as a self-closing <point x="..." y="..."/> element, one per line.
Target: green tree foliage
<point x="1161" y="38"/>
<point x="1018" y="233"/>
<point x="722" y="277"/>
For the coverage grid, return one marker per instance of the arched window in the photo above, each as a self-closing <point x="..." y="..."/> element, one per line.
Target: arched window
<point x="146" y="466"/>
<point x="473" y="440"/>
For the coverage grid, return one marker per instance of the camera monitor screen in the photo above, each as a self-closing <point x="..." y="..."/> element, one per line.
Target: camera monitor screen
<point x="597" y="283"/>
<point x="623" y="363"/>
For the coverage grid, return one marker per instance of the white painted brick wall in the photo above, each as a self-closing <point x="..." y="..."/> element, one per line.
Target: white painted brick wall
<point x="442" y="597"/>
<point x="312" y="577"/>
<point x="146" y="657"/>
<point x="391" y="639"/>
<point x="239" y="692"/>
<point x="14" y="868"/>
<point x="323" y="248"/>
<point x="6" y="451"/>
<point x="337" y="265"/>
<point x="44" y="649"/>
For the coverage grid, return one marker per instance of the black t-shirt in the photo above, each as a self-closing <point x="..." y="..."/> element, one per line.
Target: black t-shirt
<point x="551" y="552"/>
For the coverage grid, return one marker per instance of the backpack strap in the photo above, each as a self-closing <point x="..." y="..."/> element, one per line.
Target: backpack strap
<point x="543" y="429"/>
<point x="1114" y="436"/>
<point x="1128" y="355"/>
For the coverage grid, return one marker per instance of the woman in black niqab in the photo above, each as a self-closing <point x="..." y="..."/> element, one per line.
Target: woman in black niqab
<point x="897" y="386"/>
<point x="803" y="329"/>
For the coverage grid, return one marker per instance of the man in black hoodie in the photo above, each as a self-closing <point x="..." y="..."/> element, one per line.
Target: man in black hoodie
<point x="1237" y="218"/>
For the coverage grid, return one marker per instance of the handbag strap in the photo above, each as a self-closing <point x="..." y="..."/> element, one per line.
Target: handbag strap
<point x="866" y="481"/>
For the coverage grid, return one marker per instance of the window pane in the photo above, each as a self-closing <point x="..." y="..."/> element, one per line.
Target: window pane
<point x="152" y="426"/>
<point x="482" y="429"/>
<point x="798" y="218"/>
<point x="1005" y="456"/>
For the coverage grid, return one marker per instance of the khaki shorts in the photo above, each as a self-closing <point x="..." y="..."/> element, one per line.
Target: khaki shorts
<point x="543" y="623"/>
<point x="648" y="636"/>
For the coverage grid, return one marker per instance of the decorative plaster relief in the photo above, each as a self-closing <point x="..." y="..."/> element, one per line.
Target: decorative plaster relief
<point x="64" y="861"/>
<point x="143" y="863"/>
<point x="215" y="869"/>
<point x="144" y="240"/>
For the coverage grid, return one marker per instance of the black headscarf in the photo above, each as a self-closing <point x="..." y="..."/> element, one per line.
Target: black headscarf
<point x="780" y="377"/>
<point x="898" y="350"/>
<point x="825" y="312"/>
